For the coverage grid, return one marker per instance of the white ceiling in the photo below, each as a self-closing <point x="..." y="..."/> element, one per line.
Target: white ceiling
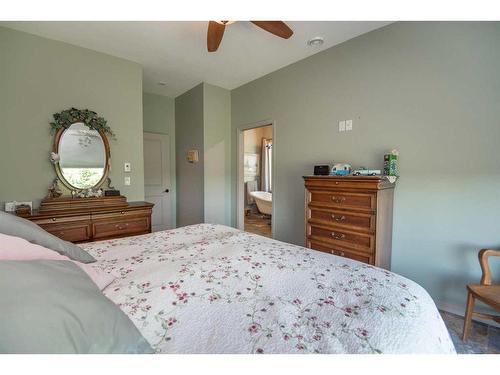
<point x="175" y="52"/>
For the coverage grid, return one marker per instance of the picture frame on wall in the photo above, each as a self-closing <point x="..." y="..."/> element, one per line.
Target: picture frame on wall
<point x="251" y="164"/>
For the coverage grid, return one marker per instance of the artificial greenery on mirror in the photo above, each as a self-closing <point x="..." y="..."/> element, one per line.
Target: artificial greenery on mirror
<point x="70" y="116"/>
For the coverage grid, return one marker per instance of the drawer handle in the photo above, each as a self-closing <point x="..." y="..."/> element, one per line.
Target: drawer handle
<point x="54" y="219"/>
<point x="61" y="233"/>
<point x="338" y="236"/>
<point x="341" y="253"/>
<point x="122" y="212"/>
<point x="118" y="226"/>
<point x="338" y="200"/>
<point x="338" y="218"/>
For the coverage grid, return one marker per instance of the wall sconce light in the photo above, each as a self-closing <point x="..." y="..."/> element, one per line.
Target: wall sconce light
<point x="192" y="156"/>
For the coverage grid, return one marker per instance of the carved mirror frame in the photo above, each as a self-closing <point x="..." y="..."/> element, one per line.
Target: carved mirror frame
<point x="62" y="121"/>
<point x="107" y="151"/>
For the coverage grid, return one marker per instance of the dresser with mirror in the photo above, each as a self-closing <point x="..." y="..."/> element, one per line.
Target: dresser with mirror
<point x="81" y="205"/>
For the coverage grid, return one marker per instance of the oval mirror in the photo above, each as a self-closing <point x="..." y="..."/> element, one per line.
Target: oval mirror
<point x="83" y="154"/>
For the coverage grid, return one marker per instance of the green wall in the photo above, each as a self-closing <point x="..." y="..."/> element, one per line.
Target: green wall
<point x="39" y="77"/>
<point x="203" y="122"/>
<point x="159" y="117"/>
<point x="430" y="89"/>
<point x="217" y="154"/>
<point x="189" y="135"/>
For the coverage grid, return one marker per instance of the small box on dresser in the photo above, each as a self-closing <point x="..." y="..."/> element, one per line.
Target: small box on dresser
<point x="350" y="216"/>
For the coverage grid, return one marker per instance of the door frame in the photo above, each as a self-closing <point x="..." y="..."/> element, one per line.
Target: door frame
<point x="240" y="175"/>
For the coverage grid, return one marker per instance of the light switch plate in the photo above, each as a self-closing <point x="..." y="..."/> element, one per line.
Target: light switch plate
<point x="342" y="126"/>
<point x="127" y="167"/>
<point x="348" y="125"/>
<point x="126" y="181"/>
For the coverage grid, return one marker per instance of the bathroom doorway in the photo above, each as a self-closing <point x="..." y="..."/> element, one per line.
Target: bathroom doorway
<point x="256" y="180"/>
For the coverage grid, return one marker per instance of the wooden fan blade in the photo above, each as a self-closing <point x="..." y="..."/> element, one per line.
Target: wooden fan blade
<point x="277" y="28"/>
<point x="214" y="35"/>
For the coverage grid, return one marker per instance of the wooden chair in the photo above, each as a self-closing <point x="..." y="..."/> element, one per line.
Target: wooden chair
<point x="485" y="292"/>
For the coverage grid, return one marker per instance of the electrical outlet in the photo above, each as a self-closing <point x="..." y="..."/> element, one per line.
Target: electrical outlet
<point x="342" y="126"/>
<point x="127" y="167"/>
<point x="126" y="181"/>
<point x="348" y="125"/>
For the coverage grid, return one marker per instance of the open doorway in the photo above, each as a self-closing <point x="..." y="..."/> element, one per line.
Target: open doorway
<point x="256" y="155"/>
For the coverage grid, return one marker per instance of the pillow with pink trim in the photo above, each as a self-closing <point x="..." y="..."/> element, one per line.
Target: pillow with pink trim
<point x="16" y="248"/>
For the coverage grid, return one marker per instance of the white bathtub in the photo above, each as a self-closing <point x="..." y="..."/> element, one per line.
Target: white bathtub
<point x="264" y="201"/>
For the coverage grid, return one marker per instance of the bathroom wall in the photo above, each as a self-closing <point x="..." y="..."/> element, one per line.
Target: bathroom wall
<point x="40" y="77"/>
<point x="431" y="89"/>
<point x="252" y="143"/>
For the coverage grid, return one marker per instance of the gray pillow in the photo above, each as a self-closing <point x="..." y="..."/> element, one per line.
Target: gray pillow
<point x="13" y="225"/>
<point x="52" y="306"/>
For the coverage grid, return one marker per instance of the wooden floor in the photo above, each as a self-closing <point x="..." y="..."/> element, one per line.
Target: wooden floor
<point x="483" y="338"/>
<point x="258" y="224"/>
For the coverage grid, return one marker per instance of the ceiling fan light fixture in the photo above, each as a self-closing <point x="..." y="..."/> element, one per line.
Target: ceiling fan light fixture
<point x="216" y="31"/>
<point x="316" y="41"/>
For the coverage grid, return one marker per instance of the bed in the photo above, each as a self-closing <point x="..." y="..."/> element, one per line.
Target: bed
<point x="213" y="289"/>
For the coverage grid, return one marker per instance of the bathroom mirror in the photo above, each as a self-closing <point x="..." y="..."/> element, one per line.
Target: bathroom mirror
<point x="83" y="155"/>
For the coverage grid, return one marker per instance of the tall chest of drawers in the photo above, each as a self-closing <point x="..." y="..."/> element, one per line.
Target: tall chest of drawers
<point x="350" y="216"/>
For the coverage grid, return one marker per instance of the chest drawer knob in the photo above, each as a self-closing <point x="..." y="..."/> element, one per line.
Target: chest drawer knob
<point x="121" y="226"/>
<point x="122" y="212"/>
<point x="338" y="218"/>
<point x="54" y="219"/>
<point x="337" y="199"/>
<point x="338" y="236"/>
<point x="341" y="253"/>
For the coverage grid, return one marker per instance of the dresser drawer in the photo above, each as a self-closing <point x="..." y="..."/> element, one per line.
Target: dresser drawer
<point x="123" y="214"/>
<point x="120" y="227"/>
<point x="354" y="220"/>
<point x="347" y="183"/>
<point x="71" y="231"/>
<point x="343" y="200"/>
<point x="335" y="250"/>
<point x="56" y="220"/>
<point x="364" y="242"/>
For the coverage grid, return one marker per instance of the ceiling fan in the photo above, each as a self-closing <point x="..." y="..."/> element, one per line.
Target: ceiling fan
<point x="216" y="31"/>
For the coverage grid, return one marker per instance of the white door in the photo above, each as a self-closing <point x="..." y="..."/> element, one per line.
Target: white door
<point x="157" y="178"/>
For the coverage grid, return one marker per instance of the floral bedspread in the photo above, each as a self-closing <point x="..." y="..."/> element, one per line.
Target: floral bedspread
<point x="213" y="289"/>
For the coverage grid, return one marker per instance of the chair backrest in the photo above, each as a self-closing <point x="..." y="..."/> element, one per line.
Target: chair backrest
<point x="483" y="261"/>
